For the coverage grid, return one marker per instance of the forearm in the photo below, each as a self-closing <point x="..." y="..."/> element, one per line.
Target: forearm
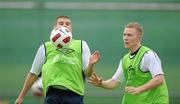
<point x="156" y="81"/>
<point x="89" y="70"/>
<point x="93" y="59"/>
<point x="109" y="84"/>
<point x="30" y="79"/>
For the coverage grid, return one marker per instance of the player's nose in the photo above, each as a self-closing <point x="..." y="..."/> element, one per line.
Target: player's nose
<point x="64" y="25"/>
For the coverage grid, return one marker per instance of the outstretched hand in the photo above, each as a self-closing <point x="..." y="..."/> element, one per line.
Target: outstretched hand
<point x="133" y="90"/>
<point x="94" y="58"/>
<point x="95" y="80"/>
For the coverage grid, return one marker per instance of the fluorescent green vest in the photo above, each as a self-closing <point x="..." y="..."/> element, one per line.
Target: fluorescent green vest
<point x="63" y="67"/>
<point x="135" y="77"/>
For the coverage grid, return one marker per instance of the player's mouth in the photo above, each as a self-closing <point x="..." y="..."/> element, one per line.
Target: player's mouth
<point x="125" y="43"/>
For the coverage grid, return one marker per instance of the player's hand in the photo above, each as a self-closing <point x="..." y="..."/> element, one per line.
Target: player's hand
<point x="133" y="90"/>
<point x="18" y="101"/>
<point x="95" y="80"/>
<point x="94" y="58"/>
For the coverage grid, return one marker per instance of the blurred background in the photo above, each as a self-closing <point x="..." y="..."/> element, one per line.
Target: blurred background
<point x="26" y="24"/>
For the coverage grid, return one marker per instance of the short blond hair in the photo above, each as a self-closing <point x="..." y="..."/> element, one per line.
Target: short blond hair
<point x="135" y="25"/>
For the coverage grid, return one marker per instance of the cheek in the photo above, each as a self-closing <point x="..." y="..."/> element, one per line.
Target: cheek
<point x="58" y="26"/>
<point x="132" y="40"/>
<point x="70" y="28"/>
<point x="135" y="41"/>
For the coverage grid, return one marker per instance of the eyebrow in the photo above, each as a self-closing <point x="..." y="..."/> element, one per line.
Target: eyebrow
<point x="127" y="34"/>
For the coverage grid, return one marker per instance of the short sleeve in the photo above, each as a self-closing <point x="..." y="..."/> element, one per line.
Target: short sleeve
<point x="119" y="75"/>
<point x="85" y="54"/>
<point x="151" y="62"/>
<point x="38" y="61"/>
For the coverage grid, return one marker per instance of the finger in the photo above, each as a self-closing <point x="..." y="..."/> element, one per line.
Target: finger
<point x="96" y="53"/>
<point x="134" y="93"/>
<point x="95" y="75"/>
<point x="90" y="78"/>
<point x="93" y="83"/>
<point x="128" y="89"/>
<point x="131" y="90"/>
<point x="89" y="81"/>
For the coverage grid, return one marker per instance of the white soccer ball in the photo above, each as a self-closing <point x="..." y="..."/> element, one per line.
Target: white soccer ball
<point x="61" y="36"/>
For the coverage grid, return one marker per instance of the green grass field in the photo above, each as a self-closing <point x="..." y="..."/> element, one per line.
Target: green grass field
<point x="13" y="76"/>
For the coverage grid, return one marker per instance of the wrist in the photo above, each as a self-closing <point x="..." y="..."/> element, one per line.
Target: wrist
<point x="141" y="89"/>
<point x="91" y="64"/>
<point x="101" y="85"/>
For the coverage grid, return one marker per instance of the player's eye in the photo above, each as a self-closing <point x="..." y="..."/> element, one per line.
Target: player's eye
<point x="129" y="34"/>
<point x="61" y="23"/>
<point x="67" y="23"/>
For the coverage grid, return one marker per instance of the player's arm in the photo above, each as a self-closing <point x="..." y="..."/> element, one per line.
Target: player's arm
<point x="110" y="83"/>
<point x="30" y="79"/>
<point x="99" y="82"/>
<point x="88" y="59"/>
<point x="94" y="58"/>
<point x="153" y="83"/>
<point x="33" y="74"/>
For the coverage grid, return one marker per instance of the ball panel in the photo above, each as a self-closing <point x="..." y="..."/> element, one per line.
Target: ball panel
<point x="56" y="37"/>
<point x="66" y="40"/>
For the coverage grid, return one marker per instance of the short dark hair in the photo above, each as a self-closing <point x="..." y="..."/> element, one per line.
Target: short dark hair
<point x="65" y="17"/>
<point x="62" y="17"/>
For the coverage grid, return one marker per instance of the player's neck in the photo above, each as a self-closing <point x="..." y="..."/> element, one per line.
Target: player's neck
<point x="135" y="48"/>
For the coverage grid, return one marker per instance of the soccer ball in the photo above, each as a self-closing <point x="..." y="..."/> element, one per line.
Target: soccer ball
<point x="61" y="36"/>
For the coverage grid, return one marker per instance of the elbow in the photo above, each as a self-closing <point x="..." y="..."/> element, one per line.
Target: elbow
<point x="160" y="79"/>
<point x="161" y="82"/>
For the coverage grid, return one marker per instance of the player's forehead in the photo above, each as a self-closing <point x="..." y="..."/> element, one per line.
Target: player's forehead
<point x="63" y="20"/>
<point x="129" y="31"/>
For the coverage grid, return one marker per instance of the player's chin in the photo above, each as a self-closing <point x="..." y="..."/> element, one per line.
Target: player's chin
<point x="126" y="46"/>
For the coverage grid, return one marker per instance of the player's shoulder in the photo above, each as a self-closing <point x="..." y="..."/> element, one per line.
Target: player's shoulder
<point x="84" y="43"/>
<point x="150" y="55"/>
